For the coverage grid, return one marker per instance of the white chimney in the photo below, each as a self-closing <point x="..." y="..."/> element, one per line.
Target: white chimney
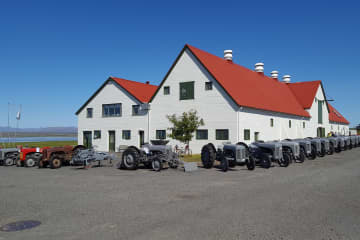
<point x="286" y="78"/>
<point x="228" y="55"/>
<point x="259" y="67"/>
<point x="274" y="74"/>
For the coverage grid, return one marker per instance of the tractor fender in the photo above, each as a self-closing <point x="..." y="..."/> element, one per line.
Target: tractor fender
<point x="243" y="144"/>
<point x="79" y="147"/>
<point x="213" y="147"/>
<point x="135" y="148"/>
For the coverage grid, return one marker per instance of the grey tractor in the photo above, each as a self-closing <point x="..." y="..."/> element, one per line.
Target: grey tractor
<point x="9" y="156"/>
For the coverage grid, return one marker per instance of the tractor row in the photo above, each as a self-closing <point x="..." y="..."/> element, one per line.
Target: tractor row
<point x="284" y="152"/>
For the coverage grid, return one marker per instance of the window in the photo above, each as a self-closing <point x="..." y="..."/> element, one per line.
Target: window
<point x="89" y="112"/>
<point x="166" y="90"/>
<point x="208" y="86"/>
<point x="289" y="123"/>
<point x="186" y="90"/>
<point x="111" y="110"/>
<point x="256" y="136"/>
<point x="135" y="110"/>
<point x="97" y="134"/>
<point x="271" y="122"/>
<point x="202" y="134"/>
<point x="303" y="124"/>
<point x="320" y="111"/>
<point x="126" y="134"/>
<point x="222" y="134"/>
<point x="246" y="134"/>
<point x="160" y="134"/>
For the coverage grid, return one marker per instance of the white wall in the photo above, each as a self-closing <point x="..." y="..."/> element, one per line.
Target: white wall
<point x="214" y="106"/>
<point x="339" y="128"/>
<point x="112" y="93"/>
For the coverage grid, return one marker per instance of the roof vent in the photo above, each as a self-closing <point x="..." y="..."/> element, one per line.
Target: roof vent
<point x="286" y="78"/>
<point x="228" y="55"/>
<point x="147" y="82"/>
<point x="274" y="74"/>
<point x="259" y="67"/>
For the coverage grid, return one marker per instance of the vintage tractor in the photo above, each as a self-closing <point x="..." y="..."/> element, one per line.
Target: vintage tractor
<point x="293" y="148"/>
<point x="347" y="140"/>
<point x="229" y="156"/>
<point x="152" y="155"/>
<point x="29" y="157"/>
<point x="266" y="152"/>
<point x="317" y="145"/>
<point x="353" y="140"/>
<point x="305" y="147"/>
<point x="87" y="156"/>
<point x="56" y="157"/>
<point x="8" y="156"/>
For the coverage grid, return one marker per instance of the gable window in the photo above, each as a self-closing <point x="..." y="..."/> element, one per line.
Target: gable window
<point x="126" y="134"/>
<point x="208" y="86"/>
<point x="222" y="134"/>
<point x="186" y="90"/>
<point x="303" y="124"/>
<point x="160" y="134"/>
<point x="166" y="90"/>
<point x="89" y="112"/>
<point x="111" y="110"/>
<point x="202" y="134"/>
<point x="97" y="134"/>
<point x="271" y="122"/>
<point x="246" y="134"/>
<point x="289" y="123"/>
<point x="320" y="111"/>
<point x="135" y="110"/>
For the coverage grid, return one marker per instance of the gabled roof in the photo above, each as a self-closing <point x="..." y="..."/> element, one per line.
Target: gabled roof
<point x="335" y="116"/>
<point x="140" y="91"/>
<point x="249" y="88"/>
<point x="305" y="92"/>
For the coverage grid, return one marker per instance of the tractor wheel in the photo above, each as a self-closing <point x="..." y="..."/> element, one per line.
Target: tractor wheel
<point x="55" y="162"/>
<point x="148" y="164"/>
<point x="332" y="149"/>
<point x="265" y="161"/>
<point x="130" y="159"/>
<point x="285" y="161"/>
<point x="208" y="156"/>
<point x="157" y="165"/>
<point x="250" y="163"/>
<point x="224" y="164"/>
<point x="19" y="163"/>
<point x="41" y="164"/>
<point x="30" y="162"/>
<point x="313" y="153"/>
<point x="8" y="162"/>
<point x="301" y="156"/>
<point x="173" y="164"/>
<point x="323" y="152"/>
<point x="338" y="148"/>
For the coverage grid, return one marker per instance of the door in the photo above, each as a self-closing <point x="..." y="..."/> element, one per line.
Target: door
<point x="256" y="136"/>
<point x="87" y="139"/>
<point x="142" y="138"/>
<point x="111" y="141"/>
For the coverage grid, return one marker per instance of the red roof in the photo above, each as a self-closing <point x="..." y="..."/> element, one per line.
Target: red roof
<point x="305" y="92"/>
<point x="249" y="88"/>
<point x="335" y="116"/>
<point x="141" y="91"/>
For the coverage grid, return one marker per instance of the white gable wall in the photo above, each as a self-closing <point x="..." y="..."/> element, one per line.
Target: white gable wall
<point x="216" y="108"/>
<point x="112" y="93"/>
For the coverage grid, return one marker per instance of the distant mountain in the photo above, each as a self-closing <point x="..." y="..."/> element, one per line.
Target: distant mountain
<point x="40" y="130"/>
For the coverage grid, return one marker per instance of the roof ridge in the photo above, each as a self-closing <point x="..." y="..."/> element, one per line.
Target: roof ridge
<point x="132" y="81"/>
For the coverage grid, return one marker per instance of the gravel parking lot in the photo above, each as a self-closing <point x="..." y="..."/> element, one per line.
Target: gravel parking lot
<point x="318" y="199"/>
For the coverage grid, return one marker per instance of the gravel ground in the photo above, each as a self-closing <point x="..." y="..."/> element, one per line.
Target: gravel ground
<point x="318" y="199"/>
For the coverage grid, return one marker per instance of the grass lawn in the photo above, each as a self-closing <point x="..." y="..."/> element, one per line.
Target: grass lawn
<point x="193" y="158"/>
<point x="39" y="144"/>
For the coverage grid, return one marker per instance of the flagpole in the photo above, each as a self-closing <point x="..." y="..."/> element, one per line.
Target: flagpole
<point x="9" y="123"/>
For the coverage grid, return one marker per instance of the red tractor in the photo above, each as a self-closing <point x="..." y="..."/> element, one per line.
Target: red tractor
<point x="29" y="157"/>
<point x="56" y="157"/>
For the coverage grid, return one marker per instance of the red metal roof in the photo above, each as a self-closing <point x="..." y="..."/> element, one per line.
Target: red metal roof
<point x="335" y="116"/>
<point x="141" y="91"/>
<point x="249" y="88"/>
<point x="305" y="92"/>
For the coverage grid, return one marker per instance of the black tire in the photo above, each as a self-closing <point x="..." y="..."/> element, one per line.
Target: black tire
<point x="265" y="161"/>
<point x="250" y="163"/>
<point x="130" y="159"/>
<point x="313" y="153"/>
<point x="8" y="162"/>
<point x="208" y="156"/>
<point x="55" y="162"/>
<point x="157" y="165"/>
<point x="331" y="149"/>
<point x="224" y="164"/>
<point x="322" y="152"/>
<point x="285" y="161"/>
<point x="148" y="165"/>
<point x="338" y="148"/>
<point x="30" y="162"/>
<point x="173" y="164"/>
<point x="302" y="156"/>
<point x="41" y="164"/>
<point x="19" y="163"/>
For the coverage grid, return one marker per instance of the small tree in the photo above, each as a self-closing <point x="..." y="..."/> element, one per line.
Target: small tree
<point x="184" y="126"/>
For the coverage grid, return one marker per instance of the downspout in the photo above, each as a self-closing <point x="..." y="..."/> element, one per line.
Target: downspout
<point x="237" y="124"/>
<point x="148" y="128"/>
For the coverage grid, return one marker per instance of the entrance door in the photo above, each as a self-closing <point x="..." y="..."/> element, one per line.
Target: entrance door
<point x="87" y="139"/>
<point x="142" y="138"/>
<point x="320" y="132"/>
<point x="111" y="141"/>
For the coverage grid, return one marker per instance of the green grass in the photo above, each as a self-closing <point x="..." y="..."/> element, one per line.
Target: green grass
<point x="193" y="158"/>
<point x="40" y="144"/>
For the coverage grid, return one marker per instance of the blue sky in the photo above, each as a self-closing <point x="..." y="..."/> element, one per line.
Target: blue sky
<point x="55" y="54"/>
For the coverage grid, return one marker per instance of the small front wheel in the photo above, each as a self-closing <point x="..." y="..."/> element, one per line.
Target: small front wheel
<point x="265" y="161"/>
<point x="224" y="164"/>
<point x="250" y="163"/>
<point x="157" y="165"/>
<point x="30" y="162"/>
<point x="55" y="163"/>
<point x="8" y="162"/>
<point x="285" y="161"/>
<point x="302" y="155"/>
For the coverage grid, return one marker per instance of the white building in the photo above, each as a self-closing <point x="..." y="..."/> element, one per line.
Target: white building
<point x="237" y="105"/>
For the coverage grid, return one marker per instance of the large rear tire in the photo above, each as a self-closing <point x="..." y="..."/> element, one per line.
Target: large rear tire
<point x="208" y="156"/>
<point x="285" y="161"/>
<point x="8" y="162"/>
<point x="55" y="162"/>
<point x="130" y="159"/>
